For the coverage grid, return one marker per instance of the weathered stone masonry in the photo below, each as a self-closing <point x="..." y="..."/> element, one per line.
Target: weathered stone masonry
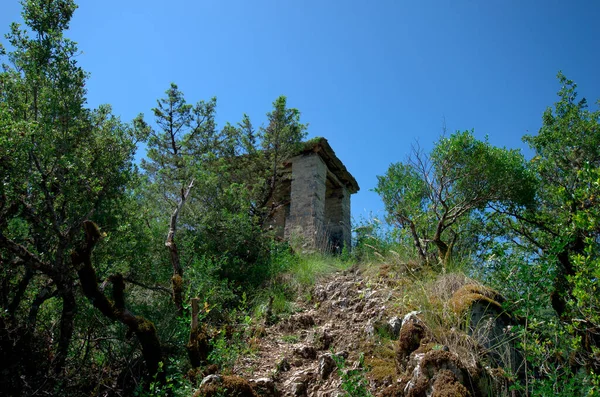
<point x="316" y="191"/>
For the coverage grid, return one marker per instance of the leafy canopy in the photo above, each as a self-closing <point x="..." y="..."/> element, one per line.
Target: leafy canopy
<point x="430" y="195"/>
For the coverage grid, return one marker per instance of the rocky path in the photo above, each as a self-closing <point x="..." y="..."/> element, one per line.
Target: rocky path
<point x="352" y="332"/>
<point x="296" y="356"/>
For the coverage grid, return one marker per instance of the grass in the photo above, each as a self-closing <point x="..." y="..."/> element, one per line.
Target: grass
<point x="290" y="338"/>
<point x="303" y="271"/>
<point x="416" y="287"/>
<point x="429" y="289"/>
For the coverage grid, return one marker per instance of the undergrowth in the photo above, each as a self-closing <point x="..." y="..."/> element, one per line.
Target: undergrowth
<point x="301" y="272"/>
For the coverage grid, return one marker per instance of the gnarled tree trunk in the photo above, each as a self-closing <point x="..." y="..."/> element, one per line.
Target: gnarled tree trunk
<point x="116" y="310"/>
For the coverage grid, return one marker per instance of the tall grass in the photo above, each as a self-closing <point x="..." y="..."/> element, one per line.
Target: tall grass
<point x="300" y="273"/>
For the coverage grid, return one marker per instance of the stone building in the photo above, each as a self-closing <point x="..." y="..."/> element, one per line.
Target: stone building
<point x="315" y="194"/>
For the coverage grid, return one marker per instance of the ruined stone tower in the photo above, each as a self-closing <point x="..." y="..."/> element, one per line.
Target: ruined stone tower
<point x="315" y="193"/>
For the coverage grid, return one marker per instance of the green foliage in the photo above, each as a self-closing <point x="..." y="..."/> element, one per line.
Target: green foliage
<point x="265" y="151"/>
<point x="552" y="270"/>
<point x="174" y="385"/>
<point x="372" y="239"/>
<point x="354" y="381"/>
<point x="434" y="198"/>
<point x="186" y="136"/>
<point x="479" y="174"/>
<point x="60" y="164"/>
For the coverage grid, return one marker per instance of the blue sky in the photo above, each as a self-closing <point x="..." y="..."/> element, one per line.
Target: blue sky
<point x="371" y="77"/>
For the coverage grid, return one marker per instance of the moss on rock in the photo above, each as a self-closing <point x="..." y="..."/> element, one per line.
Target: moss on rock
<point x="409" y="340"/>
<point x="231" y="386"/>
<point x="463" y="299"/>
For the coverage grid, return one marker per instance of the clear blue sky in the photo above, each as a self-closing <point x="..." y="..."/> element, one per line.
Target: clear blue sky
<point x="370" y="76"/>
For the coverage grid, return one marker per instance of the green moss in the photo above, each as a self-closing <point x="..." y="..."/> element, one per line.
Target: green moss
<point x="460" y="304"/>
<point x="233" y="386"/>
<point x="381" y="369"/>
<point x="482" y="290"/>
<point x="145" y="326"/>
<point x="466" y="296"/>
<point x="446" y="385"/>
<point x="311" y="143"/>
<point x="409" y="340"/>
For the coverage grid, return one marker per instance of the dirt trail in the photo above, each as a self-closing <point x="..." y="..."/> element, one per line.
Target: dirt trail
<point x="295" y="355"/>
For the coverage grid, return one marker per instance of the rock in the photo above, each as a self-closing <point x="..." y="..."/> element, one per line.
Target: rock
<point x="297" y="385"/>
<point x="412" y="332"/>
<point x="410" y="316"/>
<point x="394" y="324"/>
<point x="446" y="384"/>
<point x="489" y="324"/>
<point x="265" y="387"/>
<point x="299" y="389"/>
<point x="297" y="322"/>
<point x="359" y="307"/>
<point x="305" y="320"/>
<point x="307" y="352"/>
<point x="215" y="384"/>
<point x="283" y="365"/>
<point x="370" y="329"/>
<point x="211" y="380"/>
<point x="326" y="365"/>
<point x="319" y="294"/>
<point x="324" y="340"/>
<point x="439" y="373"/>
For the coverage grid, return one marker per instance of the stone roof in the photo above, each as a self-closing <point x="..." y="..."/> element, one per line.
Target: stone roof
<point x="322" y="148"/>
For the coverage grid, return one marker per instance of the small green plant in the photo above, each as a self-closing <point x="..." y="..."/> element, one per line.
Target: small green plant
<point x="223" y="352"/>
<point x="290" y="338"/>
<point x="173" y="384"/>
<point x="354" y="381"/>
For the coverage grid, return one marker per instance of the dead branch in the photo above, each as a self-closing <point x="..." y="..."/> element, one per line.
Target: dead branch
<point x="177" y="279"/>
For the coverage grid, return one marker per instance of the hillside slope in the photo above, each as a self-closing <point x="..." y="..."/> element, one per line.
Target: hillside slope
<point x="355" y="336"/>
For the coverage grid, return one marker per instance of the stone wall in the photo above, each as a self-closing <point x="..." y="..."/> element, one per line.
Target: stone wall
<point x="337" y="214"/>
<point x="306" y="219"/>
<point x="311" y="206"/>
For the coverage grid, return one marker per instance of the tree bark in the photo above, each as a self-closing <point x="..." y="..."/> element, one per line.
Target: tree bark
<point x="197" y="346"/>
<point x="42" y="296"/>
<point x="67" y="320"/>
<point x="177" y="279"/>
<point x="417" y="242"/>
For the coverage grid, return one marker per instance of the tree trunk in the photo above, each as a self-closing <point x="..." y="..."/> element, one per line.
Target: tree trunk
<point x="417" y="242"/>
<point x="42" y="296"/>
<point x="116" y="310"/>
<point x="197" y="346"/>
<point x="67" y="320"/>
<point x="177" y="279"/>
<point x="20" y="292"/>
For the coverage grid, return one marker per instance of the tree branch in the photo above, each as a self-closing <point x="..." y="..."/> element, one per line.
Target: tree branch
<point x="144" y="329"/>
<point x="29" y="259"/>
<point x="156" y="287"/>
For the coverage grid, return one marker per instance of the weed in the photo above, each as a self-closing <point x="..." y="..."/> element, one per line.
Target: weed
<point x="290" y="338"/>
<point x="354" y="381"/>
<point x="300" y="275"/>
<point x="173" y="383"/>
